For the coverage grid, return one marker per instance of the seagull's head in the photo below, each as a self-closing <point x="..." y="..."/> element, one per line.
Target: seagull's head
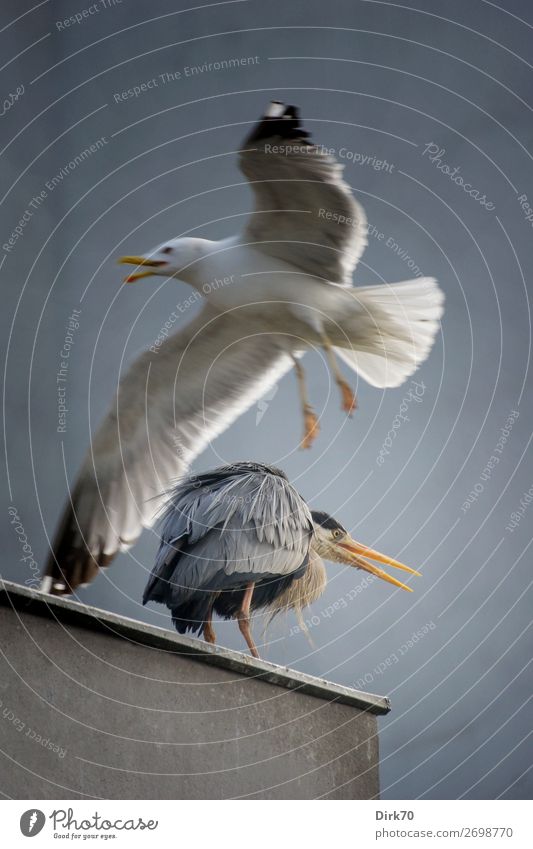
<point x="333" y="542"/>
<point x="175" y="258"/>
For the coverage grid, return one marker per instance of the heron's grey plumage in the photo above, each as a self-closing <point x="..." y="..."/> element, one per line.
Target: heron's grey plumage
<point x="221" y="530"/>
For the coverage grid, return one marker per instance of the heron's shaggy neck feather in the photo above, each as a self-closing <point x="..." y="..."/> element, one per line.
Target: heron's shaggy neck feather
<point x="304" y="591"/>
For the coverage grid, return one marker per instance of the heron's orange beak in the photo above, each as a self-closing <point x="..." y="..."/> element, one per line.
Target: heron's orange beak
<point x="357" y="555"/>
<point x="140" y="260"/>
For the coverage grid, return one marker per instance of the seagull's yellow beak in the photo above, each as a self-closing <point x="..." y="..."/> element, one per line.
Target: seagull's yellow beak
<point x="140" y="260"/>
<point x="355" y="554"/>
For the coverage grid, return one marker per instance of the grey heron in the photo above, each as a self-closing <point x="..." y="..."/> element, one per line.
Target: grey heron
<point x="279" y="288"/>
<point x="241" y="538"/>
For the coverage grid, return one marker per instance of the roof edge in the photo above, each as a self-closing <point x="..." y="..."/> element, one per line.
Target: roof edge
<point x="30" y="600"/>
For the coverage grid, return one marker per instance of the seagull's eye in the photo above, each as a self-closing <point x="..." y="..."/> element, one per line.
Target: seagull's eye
<point x="167" y="250"/>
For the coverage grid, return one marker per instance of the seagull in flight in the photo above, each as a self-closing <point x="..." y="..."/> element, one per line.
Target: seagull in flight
<point x="280" y="287"/>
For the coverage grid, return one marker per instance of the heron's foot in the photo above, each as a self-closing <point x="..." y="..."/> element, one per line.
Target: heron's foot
<point x="243" y="617"/>
<point x="349" y="398"/>
<point x="209" y="633"/>
<point x="311" y="427"/>
<point x="244" y="628"/>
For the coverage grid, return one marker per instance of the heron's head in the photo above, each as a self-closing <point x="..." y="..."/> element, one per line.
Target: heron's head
<point x="175" y="258"/>
<point x="333" y="542"/>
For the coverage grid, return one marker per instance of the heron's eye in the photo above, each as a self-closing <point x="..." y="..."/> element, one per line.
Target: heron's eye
<point x="337" y="533"/>
<point x="167" y="250"/>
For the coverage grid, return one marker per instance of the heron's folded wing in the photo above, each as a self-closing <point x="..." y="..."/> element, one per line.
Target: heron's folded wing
<point x="305" y="213"/>
<point x="167" y="408"/>
<point x="222" y="532"/>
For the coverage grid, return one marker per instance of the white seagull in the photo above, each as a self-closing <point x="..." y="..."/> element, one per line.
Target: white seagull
<point x="271" y="292"/>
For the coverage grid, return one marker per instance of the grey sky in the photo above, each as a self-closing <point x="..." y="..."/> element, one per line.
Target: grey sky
<point x="399" y="95"/>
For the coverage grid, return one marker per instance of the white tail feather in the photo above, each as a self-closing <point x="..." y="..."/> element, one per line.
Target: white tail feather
<point x="395" y="332"/>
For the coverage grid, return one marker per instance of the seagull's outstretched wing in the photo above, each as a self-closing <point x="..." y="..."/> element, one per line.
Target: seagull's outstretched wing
<point x="304" y="212"/>
<point x="167" y="408"/>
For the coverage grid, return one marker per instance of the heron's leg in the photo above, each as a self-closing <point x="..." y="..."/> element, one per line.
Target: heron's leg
<point x="209" y="631"/>
<point x="244" y="619"/>
<point x="311" y="426"/>
<point x="349" y="400"/>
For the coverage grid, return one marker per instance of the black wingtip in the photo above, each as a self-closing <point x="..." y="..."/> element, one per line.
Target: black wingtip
<point x="279" y="121"/>
<point x="70" y="562"/>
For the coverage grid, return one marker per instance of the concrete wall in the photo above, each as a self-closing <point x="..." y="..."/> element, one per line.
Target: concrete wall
<point x="97" y="705"/>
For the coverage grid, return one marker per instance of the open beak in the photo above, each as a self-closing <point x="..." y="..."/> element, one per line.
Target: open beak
<point x="355" y="554"/>
<point x="140" y="261"/>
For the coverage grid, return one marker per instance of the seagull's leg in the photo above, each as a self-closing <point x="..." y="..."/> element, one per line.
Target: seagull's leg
<point x="311" y="426"/>
<point x="244" y="619"/>
<point x="209" y="631"/>
<point x="349" y="400"/>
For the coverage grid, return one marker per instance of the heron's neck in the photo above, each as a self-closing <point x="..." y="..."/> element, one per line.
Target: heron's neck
<point x="313" y="583"/>
<point x="310" y="586"/>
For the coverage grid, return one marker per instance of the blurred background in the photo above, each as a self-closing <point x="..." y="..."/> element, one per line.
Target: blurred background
<point x="120" y="125"/>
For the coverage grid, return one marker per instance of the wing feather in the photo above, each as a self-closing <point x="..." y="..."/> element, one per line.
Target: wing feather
<point x="304" y="213"/>
<point x="166" y="409"/>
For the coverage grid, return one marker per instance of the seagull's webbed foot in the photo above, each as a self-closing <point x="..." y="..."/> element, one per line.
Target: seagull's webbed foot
<point x="349" y="398"/>
<point x="311" y="427"/>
